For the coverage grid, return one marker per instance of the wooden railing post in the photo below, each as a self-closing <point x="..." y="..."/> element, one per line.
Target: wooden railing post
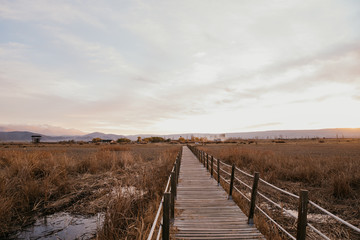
<point x="302" y="215"/>
<point x="166" y="219"/>
<point x="173" y="195"/>
<point x="218" y="170"/>
<point x="203" y="159"/>
<point x="212" y="166"/>
<point x="178" y="171"/>
<point x="253" y="198"/>
<point x="178" y="162"/>
<point x="207" y="161"/>
<point x="175" y="166"/>
<point x="204" y="163"/>
<point x="231" y="181"/>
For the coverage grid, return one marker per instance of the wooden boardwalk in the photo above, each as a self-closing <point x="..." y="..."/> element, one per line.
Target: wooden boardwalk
<point x="202" y="208"/>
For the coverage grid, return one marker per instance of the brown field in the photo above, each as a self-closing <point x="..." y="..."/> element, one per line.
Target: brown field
<point x="37" y="180"/>
<point x="328" y="168"/>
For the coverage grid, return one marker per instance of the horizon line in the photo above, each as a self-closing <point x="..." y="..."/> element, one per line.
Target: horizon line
<point x="187" y="133"/>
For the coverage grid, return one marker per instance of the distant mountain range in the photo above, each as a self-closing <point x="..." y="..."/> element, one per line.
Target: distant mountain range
<point x="45" y="129"/>
<point x="19" y="136"/>
<point x="326" y="133"/>
<point x="25" y="136"/>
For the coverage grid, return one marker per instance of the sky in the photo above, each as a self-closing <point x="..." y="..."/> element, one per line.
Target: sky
<point x="132" y="67"/>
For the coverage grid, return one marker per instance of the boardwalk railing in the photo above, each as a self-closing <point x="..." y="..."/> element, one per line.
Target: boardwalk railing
<point x="241" y="183"/>
<point x="166" y="207"/>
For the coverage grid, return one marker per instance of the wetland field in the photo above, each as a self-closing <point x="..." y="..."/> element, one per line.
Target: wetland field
<point x="112" y="191"/>
<point x="328" y="168"/>
<point x="86" y="191"/>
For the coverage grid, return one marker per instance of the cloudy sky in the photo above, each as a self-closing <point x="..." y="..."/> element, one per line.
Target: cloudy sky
<point x="151" y="66"/>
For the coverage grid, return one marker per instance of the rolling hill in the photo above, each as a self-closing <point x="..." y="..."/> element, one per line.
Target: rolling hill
<point x="25" y="136"/>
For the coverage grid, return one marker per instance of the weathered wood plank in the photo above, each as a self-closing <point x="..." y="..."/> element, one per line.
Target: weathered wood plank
<point x="203" y="210"/>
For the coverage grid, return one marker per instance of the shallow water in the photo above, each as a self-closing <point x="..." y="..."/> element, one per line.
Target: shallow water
<point x="63" y="226"/>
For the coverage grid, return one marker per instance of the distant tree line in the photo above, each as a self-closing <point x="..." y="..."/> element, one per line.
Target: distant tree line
<point x="154" y="140"/>
<point x="123" y="140"/>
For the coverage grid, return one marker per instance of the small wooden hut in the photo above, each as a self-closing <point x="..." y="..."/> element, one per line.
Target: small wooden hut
<point x="35" y="138"/>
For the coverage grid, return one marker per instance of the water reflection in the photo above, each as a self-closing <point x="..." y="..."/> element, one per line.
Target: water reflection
<point x="63" y="226"/>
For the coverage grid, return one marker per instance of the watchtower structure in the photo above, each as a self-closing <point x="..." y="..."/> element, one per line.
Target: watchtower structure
<point x="35" y="138"/>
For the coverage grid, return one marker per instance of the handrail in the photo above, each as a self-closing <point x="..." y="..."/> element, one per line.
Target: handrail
<point x="243" y="172"/>
<point x="286" y="211"/>
<point x="225" y="172"/>
<point x="167" y="188"/>
<point x="279" y="189"/>
<point x="317" y="231"/>
<point x="277" y="224"/>
<point x="225" y="164"/>
<point x="335" y="217"/>
<point x="159" y="232"/>
<point x="276" y="204"/>
<point x="243" y="183"/>
<point x="221" y="177"/>
<point x="265" y="182"/>
<point x="159" y="210"/>
<point x="242" y="194"/>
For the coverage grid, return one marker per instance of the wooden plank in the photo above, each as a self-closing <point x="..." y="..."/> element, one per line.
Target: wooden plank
<point x="203" y="210"/>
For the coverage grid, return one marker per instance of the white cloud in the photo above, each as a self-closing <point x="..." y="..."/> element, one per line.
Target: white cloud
<point x="63" y="12"/>
<point x="171" y="66"/>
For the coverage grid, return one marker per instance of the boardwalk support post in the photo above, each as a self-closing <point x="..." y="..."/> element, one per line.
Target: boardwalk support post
<point x="212" y="166"/>
<point x="302" y="215"/>
<point x="178" y="162"/>
<point x="204" y="162"/>
<point x="231" y="181"/>
<point x="253" y="198"/>
<point x="207" y="161"/>
<point x="173" y="195"/>
<point x="166" y="217"/>
<point x="218" y="171"/>
<point x="175" y="168"/>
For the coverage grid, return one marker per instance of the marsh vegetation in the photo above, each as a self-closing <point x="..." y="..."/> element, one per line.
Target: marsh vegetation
<point x="122" y="182"/>
<point x="328" y="168"/>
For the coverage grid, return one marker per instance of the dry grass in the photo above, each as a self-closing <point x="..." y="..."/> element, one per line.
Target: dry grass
<point x="131" y="216"/>
<point x="330" y="170"/>
<point x="49" y="178"/>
